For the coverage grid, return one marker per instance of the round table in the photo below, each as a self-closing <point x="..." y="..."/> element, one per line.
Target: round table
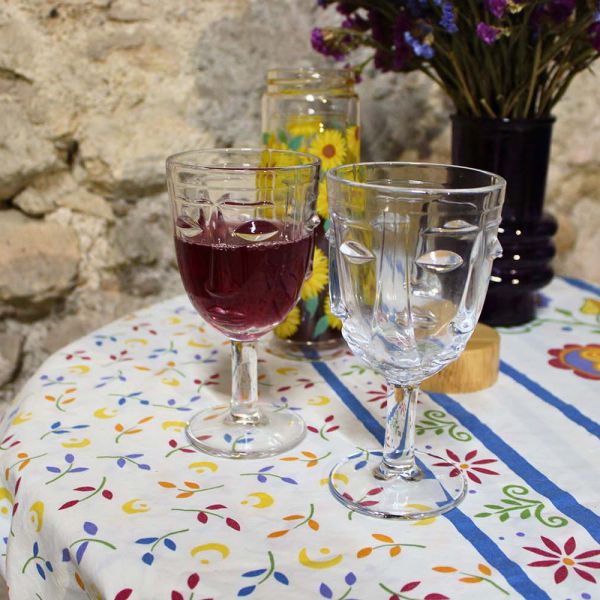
<point x="102" y="496"/>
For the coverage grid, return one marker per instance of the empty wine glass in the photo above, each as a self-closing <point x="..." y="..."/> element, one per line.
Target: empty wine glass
<point x="412" y="247"/>
<point x="243" y="225"/>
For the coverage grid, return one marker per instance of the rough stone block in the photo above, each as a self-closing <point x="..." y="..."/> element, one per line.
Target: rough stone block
<point x="23" y="153"/>
<point x="80" y="200"/>
<point x="10" y="353"/>
<point x="34" y="203"/>
<point x="128" y="11"/>
<point x="38" y="262"/>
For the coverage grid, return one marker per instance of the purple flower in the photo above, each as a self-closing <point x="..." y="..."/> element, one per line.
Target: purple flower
<point x="317" y="41"/>
<point x="487" y="33"/>
<point x="448" y="20"/>
<point x="357" y="79"/>
<point x="595" y="36"/>
<point x="346" y="8"/>
<point x="381" y="60"/>
<point x="401" y="56"/>
<point x="401" y="50"/>
<point x="420" y="48"/>
<point x="380" y="29"/>
<point x="560" y="10"/>
<point x="415" y="8"/>
<point x="324" y="46"/>
<point x="355" y="22"/>
<point x="496" y="7"/>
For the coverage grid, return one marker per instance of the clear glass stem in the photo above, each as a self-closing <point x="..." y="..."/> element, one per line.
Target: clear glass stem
<point x="244" y="384"/>
<point x="399" y="447"/>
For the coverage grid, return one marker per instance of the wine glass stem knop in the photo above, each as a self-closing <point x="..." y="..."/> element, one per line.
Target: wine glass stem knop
<point x="244" y="384"/>
<point x="399" y="447"/>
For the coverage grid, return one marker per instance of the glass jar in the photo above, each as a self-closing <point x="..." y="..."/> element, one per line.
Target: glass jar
<point x="315" y="111"/>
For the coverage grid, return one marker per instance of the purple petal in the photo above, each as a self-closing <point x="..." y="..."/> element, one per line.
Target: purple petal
<point x="486" y="33"/>
<point x="80" y="552"/>
<point x="90" y="528"/>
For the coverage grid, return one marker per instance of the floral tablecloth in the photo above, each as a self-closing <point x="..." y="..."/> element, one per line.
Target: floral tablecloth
<point x="102" y="497"/>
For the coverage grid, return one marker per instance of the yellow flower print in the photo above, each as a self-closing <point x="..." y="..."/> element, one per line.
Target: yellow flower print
<point x="329" y="560"/>
<point x="37" y="515"/>
<point x="319" y="276"/>
<point x="275" y="159"/>
<point x="590" y="307"/>
<point x="322" y="204"/>
<point x="135" y="506"/>
<point x="330" y="147"/>
<point x="76" y="443"/>
<point x="271" y="186"/>
<point x="353" y="142"/>
<point x="289" y="327"/>
<point x="274" y="144"/>
<point x="6" y="502"/>
<point x="305" y="125"/>
<point x="593" y="355"/>
<point x="332" y="320"/>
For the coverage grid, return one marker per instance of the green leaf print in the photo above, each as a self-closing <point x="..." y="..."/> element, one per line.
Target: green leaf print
<point x="321" y="326"/>
<point x="517" y="499"/>
<point x="295" y="142"/>
<point x="311" y="304"/>
<point x="282" y="136"/>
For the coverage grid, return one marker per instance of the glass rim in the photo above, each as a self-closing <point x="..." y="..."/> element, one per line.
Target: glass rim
<point x="292" y="73"/>
<point x="178" y="159"/>
<point x="499" y="182"/>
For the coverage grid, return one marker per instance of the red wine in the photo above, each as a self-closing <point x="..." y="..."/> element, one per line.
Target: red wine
<point x="242" y="288"/>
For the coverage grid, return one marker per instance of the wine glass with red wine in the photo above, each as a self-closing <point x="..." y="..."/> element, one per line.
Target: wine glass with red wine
<point x="243" y="226"/>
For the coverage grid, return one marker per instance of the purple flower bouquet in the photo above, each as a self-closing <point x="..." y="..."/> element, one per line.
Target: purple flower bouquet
<point x="494" y="58"/>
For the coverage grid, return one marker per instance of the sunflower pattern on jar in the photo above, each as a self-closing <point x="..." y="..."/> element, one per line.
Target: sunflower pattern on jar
<point x="307" y="110"/>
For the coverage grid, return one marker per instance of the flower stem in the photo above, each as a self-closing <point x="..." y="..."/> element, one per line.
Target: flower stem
<point x="93" y="540"/>
<point x="486" y="579"/>
<point x="60" y="474"/>
<point x="310" y="516"/>
<point x="160" y="539"/>
<point x="99" y="488"/>
<point x="29" y="560"/>
<point x="271" y="568"/>
<point x="198" y="510"/>
<point x="402" y="545"/>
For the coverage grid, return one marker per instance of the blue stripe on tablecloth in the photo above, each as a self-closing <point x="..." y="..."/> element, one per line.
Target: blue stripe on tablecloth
<point x="486" y="547"/>
<point x="583" y="285"/>
<point x="566" y="409"/>
<point x="351" y="401"/>
<point x="562" y="500"/>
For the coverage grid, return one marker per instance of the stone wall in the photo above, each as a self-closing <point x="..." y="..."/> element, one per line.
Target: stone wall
<point x="94" y="94"/>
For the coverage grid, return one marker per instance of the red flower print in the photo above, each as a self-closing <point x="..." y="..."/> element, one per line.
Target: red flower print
<point x="380" y="394"/>
<point x="565" y="558"/>
<point x="79" y="354"/>
<point x="584" y="361"/>
<point x="470" y="466"/>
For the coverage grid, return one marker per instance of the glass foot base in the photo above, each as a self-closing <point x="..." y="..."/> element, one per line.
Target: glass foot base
<point x="214" y="432"/>
<point x="307" y="351"/>
<point x="354" y="484"/>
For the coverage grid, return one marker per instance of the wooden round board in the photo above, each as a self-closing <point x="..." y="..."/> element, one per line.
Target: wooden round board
<point x="476" y="369"/>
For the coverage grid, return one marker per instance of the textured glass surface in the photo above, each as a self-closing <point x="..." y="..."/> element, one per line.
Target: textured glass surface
<point x="411" y="253"/>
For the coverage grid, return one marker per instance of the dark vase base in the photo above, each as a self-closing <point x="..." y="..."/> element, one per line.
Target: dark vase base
<point x="519" y="151"/>
<point x="502" y="310"/>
